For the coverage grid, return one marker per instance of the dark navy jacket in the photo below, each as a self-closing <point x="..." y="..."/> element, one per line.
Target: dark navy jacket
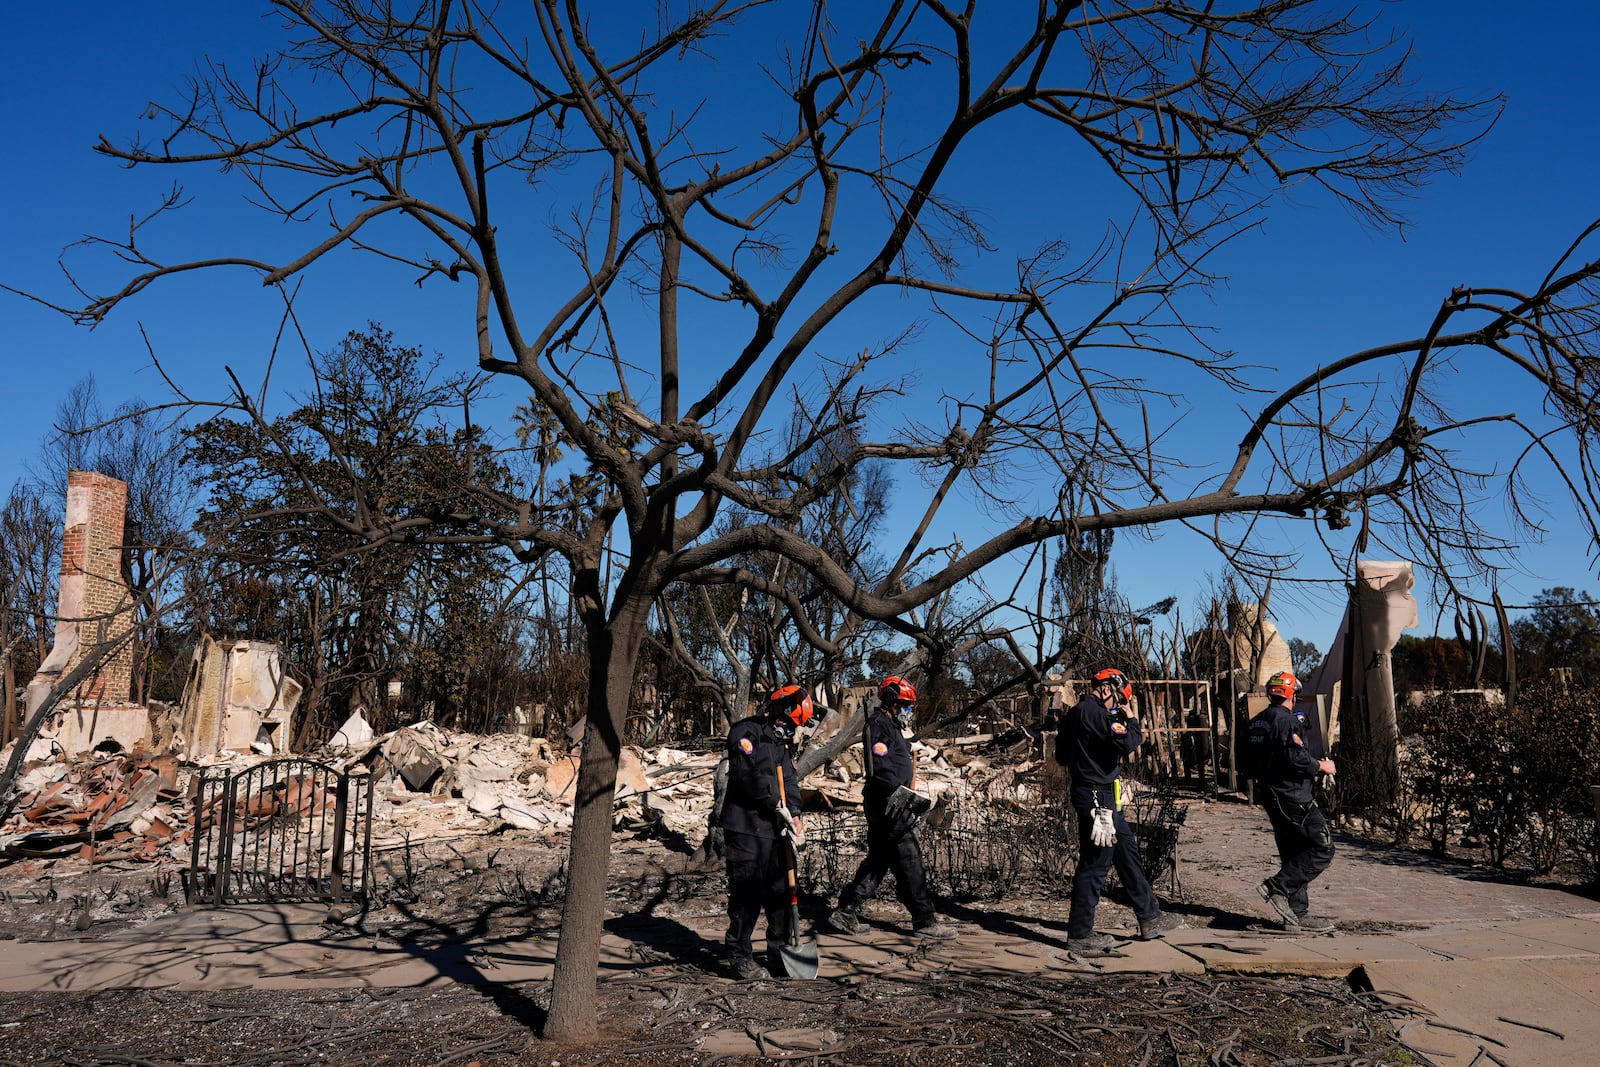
<point x="892" y="766"/>
<point x="755" y="752"/>
<point x="1281" y="754"/>
<point x="1093" y="740"/>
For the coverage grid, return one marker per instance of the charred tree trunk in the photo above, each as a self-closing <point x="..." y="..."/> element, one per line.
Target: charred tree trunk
<point x="613" y="654"/>
<point x="8" y="699"/>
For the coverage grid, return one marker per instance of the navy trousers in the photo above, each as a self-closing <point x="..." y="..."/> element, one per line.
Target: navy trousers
<point x="1305" y="847"/>
<point x="887" y="852"/>
<point x="1095" y="862"/>
<point x="757" y="881"/>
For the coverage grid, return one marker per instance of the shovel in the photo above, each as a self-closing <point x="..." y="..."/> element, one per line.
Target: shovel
<point x="799" y="961"/>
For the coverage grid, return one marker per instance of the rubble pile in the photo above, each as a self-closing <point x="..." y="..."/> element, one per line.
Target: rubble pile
<point x="433" y="784"/>
<point x="125" y="807"/>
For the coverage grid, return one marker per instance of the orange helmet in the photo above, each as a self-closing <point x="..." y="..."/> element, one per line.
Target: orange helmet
<point x="1116" y="680"/>
<point x="1283" y="684"/>
<point x="896" y="690"/>
<point x="791" y="703"/>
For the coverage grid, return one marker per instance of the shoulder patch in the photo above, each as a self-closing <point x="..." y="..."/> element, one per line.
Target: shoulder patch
<point x="1119" y="728"/>
<point x="880" y="749"/>
<point x="745" y="746"/>
<point x="1296" y="739"/>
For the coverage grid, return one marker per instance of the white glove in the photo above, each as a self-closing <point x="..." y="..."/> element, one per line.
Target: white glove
<point x="1104" y="830"/>
<point x="791" y="829"/>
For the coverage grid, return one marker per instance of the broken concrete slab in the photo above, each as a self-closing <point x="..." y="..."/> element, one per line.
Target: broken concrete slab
<point x="561" y="779"/>
<point x="1534" y="939"/>
<point x="781" y="1044"/>
<point x="1266" y="952"/>
<point x="416" y="753"/>
<point x="1152" y="957"/>
<point x="527" y="816"/>
<point x="1532" y="1013"/>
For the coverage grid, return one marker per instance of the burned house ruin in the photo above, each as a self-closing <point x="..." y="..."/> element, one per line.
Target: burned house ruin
<point x="239" y="697"/>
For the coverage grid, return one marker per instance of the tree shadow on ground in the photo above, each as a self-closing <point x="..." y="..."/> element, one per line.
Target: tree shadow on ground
<point x="1366" y="850"/>
<point x="659" y="936"/>
<point x="1053" y="932"/>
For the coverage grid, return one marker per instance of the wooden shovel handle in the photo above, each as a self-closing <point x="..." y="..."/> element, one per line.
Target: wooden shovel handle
<point x="789" y="853"/>
<point x="788" y="842"/>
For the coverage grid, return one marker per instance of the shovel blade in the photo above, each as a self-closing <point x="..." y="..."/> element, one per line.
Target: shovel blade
<point x="800" y="959"/>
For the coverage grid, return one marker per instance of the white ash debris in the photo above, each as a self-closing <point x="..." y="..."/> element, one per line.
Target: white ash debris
<point x="432" y="784"/>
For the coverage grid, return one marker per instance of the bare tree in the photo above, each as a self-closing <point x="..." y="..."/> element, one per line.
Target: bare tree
<point x="754" y="634"/>
<point x="788" y="219"/>
<point x="30" y="555"/>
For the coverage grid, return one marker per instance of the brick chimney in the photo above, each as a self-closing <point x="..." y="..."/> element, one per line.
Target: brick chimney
<point x="93" y="605"/>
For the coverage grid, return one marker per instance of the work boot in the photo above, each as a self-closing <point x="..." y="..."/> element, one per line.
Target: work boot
<point x="1159" y="925"/>
<point x="845" y="922"/>
<point x="1314" y="924"/>
<point x="746" y="969"/>
<point x="935" y="931"/>
<point x="1280" y="904"/>
<point x="1093" y="945"/>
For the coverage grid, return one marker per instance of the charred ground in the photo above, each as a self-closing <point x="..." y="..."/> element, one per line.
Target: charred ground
<point x="504" y="889"/>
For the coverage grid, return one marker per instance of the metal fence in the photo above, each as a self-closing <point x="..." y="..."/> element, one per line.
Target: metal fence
<point x="287" y="830"/>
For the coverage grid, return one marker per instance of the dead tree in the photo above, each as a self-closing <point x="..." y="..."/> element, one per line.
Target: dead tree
<point x="721" y="240"/>
<point x="30" y="546"/>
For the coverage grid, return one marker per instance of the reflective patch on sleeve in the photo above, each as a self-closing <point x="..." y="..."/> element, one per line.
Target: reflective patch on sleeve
<point x="1296" y="739"/>
<point x="745" y="746"/>
<point x="1118" y="728"/>
<point x="880" y="749"/>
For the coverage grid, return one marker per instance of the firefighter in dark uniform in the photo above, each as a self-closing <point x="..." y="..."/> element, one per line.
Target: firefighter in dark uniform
<point x="891" y="842"/>
<point x="1284" y="757"/>
<point x="1095" y="734"/>
<point x="758" y="750"/>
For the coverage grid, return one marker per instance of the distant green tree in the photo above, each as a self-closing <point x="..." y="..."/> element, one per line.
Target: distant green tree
<point x="1561" y="631"/>
<point x="1304" y="657"/>
<point x="291" y="557"/>
<point x="1426" y="663"/>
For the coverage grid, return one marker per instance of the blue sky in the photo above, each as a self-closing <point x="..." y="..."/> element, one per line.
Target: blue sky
<point x="1314" y="285"/>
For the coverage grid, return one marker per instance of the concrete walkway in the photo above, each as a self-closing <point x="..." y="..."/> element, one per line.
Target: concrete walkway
<point x="1486" y="963"/>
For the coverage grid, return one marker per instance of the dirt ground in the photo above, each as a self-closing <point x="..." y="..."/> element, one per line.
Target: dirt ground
<point x="505" y="886"/>
<point x="1175" y="1020"/>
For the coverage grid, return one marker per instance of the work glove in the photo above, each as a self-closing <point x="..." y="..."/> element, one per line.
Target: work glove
<point x="794" y="830"/>
<point x="1103" y="831"/>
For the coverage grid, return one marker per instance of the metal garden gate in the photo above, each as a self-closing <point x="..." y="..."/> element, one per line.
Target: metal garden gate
<point x="287" y="830"/>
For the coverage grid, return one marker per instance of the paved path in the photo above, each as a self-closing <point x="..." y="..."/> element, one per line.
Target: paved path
<point x="1232" y="852"/>
<point x="1487" y="963"/>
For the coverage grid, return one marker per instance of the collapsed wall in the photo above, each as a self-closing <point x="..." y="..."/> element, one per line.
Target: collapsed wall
<point x="239" y="698"/>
